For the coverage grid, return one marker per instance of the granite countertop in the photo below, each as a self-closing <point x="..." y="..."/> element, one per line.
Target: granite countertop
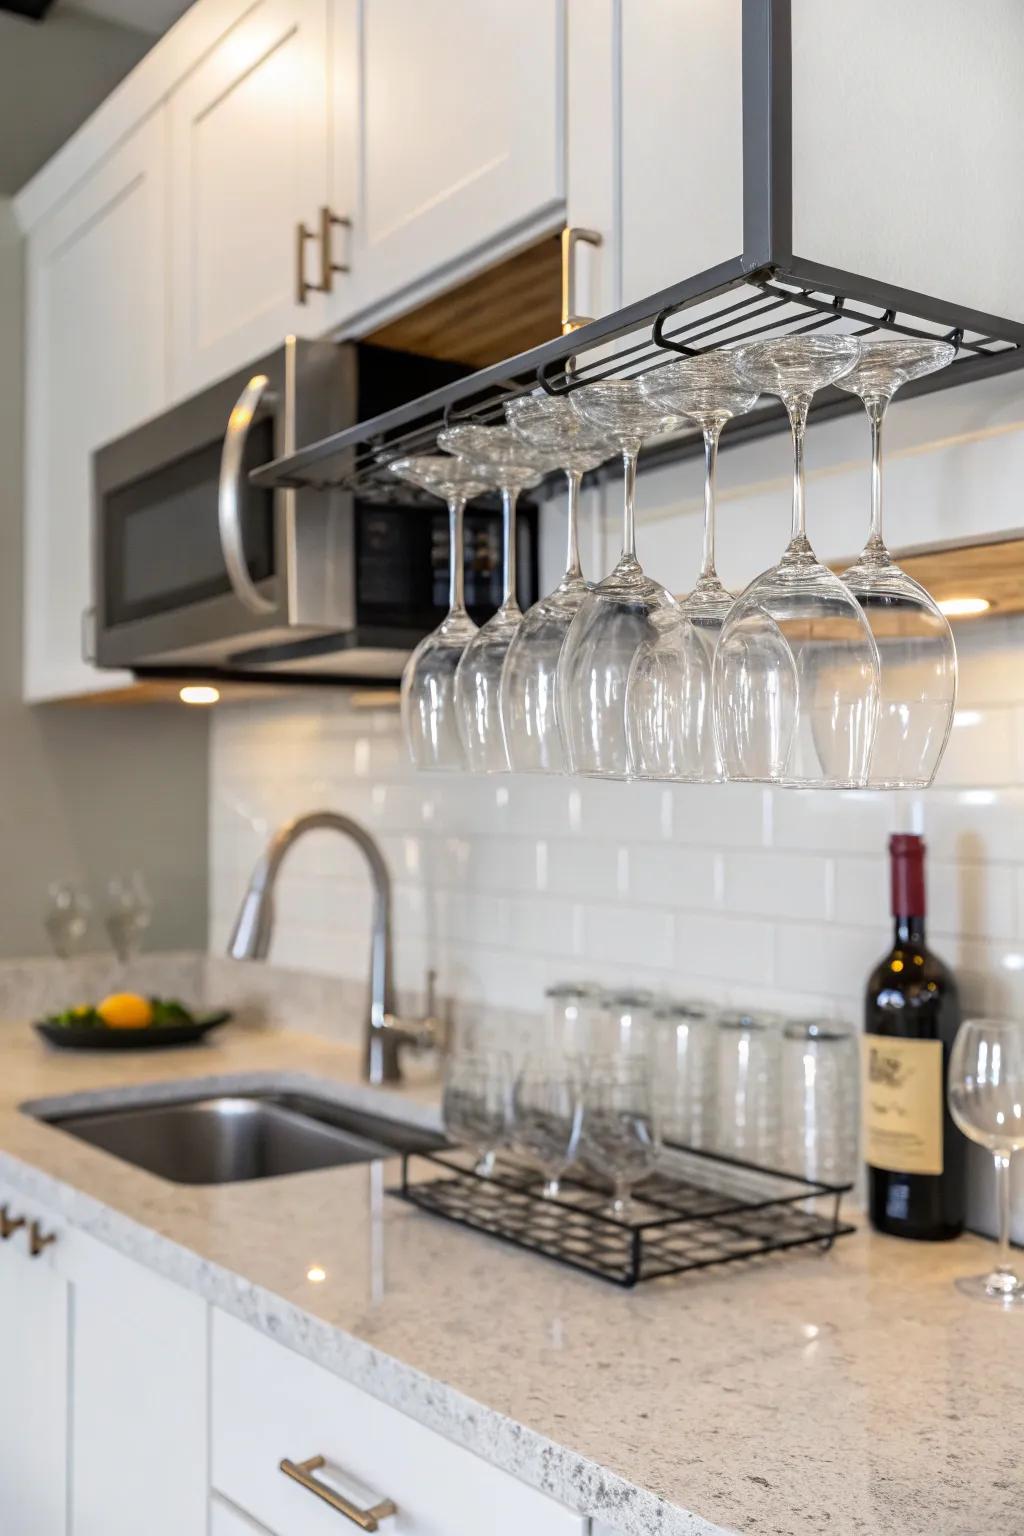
<point x="853" y="1392"/>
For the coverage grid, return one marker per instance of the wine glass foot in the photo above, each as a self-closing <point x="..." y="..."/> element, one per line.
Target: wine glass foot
<point x="484" y="1167"/>
<point x="1000" y="1287"/>
<point x="551" y="1189"/>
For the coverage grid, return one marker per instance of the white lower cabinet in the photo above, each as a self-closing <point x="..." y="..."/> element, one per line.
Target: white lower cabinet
<point x="270" y="1405"/>
<point x="138" y="1422"/>
<point x="129" y="1406"/>
<point x="34" y="1302"/>
<point x="104" y="1428"/>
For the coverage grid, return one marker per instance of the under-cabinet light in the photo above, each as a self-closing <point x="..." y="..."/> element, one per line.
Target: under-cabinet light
<point x="198" y="693"/>
<point x="963" y="607"/>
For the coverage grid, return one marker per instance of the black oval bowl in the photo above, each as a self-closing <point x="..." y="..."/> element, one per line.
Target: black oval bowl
<point x="90" y="1037"/>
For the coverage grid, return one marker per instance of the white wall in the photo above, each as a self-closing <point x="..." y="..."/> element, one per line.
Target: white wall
<point x="732" y="891"/>
<point x="90" y="791"/>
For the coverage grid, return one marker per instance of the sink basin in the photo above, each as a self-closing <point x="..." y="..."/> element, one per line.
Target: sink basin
<point x="227" y="1138"/>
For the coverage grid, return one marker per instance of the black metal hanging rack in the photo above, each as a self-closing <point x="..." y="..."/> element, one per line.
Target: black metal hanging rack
<point x="765" y="291"/>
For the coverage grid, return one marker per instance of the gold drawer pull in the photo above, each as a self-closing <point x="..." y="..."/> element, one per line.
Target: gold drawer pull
<point x="366" y="1519"/>
<point x="38" y="1239"/>
<point x="9" y="1224"/>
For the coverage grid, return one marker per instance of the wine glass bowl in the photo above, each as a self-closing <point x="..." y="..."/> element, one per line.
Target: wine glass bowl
<point x="669" y="691"/>
<point x="510" y="463"/>
<point x="476" y="1103"/>
<point x="615" y="618"/>
<point x="428" y="678"/>
<point x="529" y="708"/>
<point x="917" y="652"/>
<point x="986" y="1100"/>
<point x="619" y="1139"/>
<point x="806" y="718"/>
<point x="546" y="1117"/>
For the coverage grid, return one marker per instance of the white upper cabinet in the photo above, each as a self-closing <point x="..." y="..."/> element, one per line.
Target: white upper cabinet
<point x="681" y="140"/>
<point x="97" y="327"/>
<point x="249" y="157"/>
<point x="908" y="134"/>
<point x="449" y="140"/>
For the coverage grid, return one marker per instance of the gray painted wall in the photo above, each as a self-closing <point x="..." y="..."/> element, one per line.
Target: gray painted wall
<point x="86" y="791"/>
<point x="52" y="75"/>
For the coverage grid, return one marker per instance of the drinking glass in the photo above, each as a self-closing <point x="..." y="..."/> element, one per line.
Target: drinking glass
<point x="428" y="678"/>
<point x="986" y="1099"/>
<point x="917" y="653"/>
<point x="547" y="1108"/>
<point x="616" y="616"/>
<point x="528" y="694"/>
<point x="685" y="1054"/>
<point x="497" y="453"/>
<point x="819" y="1101"/>
<point x="748" y="1110"/>
<point x="475" y="1103"/>
<point x="619" y="1132"/>
<point x="796" y="668"/>
<point x="67" y="917"/>
<point x="128" y="914"/>
<point x="623" y="1027"/>
<point x="573" y="1008"/>
<point x="669" y="695"/>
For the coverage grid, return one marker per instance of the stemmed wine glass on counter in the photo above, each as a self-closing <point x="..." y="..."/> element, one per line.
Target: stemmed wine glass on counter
<point x="806" y="679"/>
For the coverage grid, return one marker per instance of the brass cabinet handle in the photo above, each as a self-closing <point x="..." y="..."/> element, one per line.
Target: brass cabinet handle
<point x="366" y="1519"/>
<point x="9" y="1224"/>
<point x="38" y="1239"/>
<point x="572" y="237"/>
<point x="326" y="223"/>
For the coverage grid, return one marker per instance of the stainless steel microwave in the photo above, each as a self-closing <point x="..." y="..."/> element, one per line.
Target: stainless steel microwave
<point x="197" y="571"/>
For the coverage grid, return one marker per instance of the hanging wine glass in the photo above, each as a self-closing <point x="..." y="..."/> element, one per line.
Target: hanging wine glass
<point x="428" y="678"/>
<point x="616" y="616"/>
<point x="669" y="696"/>
<point x="796" y="667"/>
<point x="917" y="654"/>
<point x="495" y="452"/>
<point x="528" y="694"/>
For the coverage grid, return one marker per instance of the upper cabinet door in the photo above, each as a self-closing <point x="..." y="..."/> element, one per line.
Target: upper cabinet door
<point x="449" y="140"/>
<point x="97" y="294"/>
<point x="249" y="133"/>
<point x="681" y="169"/>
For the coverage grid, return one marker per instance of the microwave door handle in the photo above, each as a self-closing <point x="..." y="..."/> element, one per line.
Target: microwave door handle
<point x="229" y="495"/>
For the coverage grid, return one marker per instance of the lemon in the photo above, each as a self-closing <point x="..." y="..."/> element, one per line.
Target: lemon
<point x="125" y="1010"/>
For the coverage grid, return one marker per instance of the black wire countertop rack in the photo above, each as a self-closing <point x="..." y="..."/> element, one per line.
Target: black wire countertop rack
<point x="696" y="1210"/>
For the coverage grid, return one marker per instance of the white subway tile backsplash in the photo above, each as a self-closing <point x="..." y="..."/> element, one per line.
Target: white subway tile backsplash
<point x="778" y="884"/>
<point x="506" y="884"/>
<point x="627" y="936"/>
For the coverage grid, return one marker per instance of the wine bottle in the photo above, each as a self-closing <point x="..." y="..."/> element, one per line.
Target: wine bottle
<point x="916" y="1157"/>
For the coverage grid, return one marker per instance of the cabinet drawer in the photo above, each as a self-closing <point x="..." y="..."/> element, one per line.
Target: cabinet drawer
<point x="270" y="1404"/>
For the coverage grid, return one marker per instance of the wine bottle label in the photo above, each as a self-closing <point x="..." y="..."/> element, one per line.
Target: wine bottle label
<point x="901" y="1101"/>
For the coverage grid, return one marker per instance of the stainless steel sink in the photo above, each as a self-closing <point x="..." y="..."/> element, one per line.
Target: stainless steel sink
<point x="251" y="1135"/>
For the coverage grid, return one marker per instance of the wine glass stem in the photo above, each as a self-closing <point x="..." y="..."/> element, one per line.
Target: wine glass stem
<point x="876" y="414"/>
<point x="1004" y="1263"/>
<point x="509" y="497"/>
<point x="629" y="458"/>
<point x="573" y="569"/>
<point x="798" y="406"/>
<point x="711" y="435"/>
<point x="456" y="591"/>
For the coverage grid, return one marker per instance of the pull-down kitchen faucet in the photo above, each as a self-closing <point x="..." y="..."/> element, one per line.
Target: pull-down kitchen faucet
<point x="250" y="940"/>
